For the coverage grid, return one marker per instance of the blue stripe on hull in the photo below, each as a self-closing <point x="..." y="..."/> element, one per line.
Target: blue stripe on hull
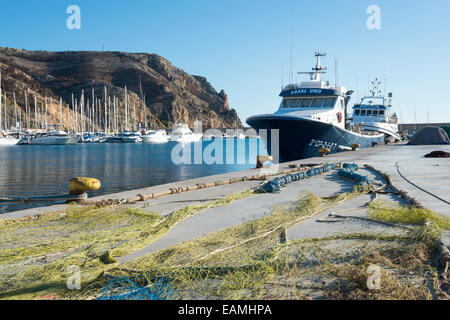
<point x="301" y="138"/>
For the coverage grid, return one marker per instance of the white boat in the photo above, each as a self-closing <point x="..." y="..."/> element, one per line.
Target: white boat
<point x="182" y="133"/>
<point x="130" y="137"/>
<point x="156" y="136"/>
<point x="53" y="138"/>
<point x="8" y="140"/>
<point x="373" y="114"/>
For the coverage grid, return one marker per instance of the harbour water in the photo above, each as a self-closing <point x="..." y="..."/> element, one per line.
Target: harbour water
<point x="46" y="170"/>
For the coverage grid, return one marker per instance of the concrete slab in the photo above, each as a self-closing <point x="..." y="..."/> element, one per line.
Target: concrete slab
<point x="254" y="207"/>
<point x="311" y="228"/>
<point x="167" y="205"/>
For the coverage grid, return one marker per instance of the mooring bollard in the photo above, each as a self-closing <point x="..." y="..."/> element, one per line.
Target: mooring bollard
<point x="323" y="152"/>
<point x="355" y="146"/>
<point x="261" y="159"/>
<point x="79" y="185"/>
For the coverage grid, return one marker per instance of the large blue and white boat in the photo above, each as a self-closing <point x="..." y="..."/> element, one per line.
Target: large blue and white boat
<point x="312" y="115"/>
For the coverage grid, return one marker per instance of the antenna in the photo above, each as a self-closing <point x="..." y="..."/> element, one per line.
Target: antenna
<point x="318" y="69"/>
<point x="291" y="66"/>
<point x="357" y="88"/>
<point x="336" y="72"/>
<point x="282" y="66"/>
<point x="291" y="73"/>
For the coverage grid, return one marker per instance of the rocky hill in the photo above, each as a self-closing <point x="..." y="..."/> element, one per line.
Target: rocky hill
<point x="170" y="94"/>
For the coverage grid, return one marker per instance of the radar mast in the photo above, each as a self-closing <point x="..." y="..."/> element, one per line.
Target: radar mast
<point x="318" y="69"/>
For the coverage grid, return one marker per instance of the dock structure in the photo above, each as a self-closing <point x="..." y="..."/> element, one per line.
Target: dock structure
<point x="231" y="226"/>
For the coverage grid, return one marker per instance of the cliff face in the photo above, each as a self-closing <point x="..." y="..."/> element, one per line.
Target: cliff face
<point x="171" y="95"/>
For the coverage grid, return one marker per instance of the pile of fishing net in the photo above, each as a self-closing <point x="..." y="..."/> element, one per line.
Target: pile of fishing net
<point x="277" y="184"/>
<point x="122" y="288"/>
<point x="348" y="171"/>
<point x="430" y="136"/>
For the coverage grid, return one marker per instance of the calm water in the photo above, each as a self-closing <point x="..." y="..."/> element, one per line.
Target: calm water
<point x="46" y="170"/>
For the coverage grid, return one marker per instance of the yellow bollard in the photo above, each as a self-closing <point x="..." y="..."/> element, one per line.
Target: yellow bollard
<point x="355" y="146"/>
<point x="261" y="159"/>
<point x="323" y="152"/>
<point x="80" y="185"/>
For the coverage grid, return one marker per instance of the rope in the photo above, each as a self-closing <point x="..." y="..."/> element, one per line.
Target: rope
<point x="415" y="185"/>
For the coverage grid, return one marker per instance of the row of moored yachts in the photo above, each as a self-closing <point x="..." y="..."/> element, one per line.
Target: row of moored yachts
<point x="180" y="133"/>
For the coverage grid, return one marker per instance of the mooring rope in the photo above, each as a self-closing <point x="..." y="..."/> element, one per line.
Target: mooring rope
<point x="418" y="187"/>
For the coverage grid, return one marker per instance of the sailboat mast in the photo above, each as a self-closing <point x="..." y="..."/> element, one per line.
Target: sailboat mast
<point x="60" y="113"/>
<point x="26" y="111"/>
<point x="51" y="103"/>
<point x="126" y="109"/>
<point x="134" y="116"/>
<point x="115" y="115"/>
<point x="82" y="112"/>
<point x="109" y="113"/>
<point x="45" y="113"/>
<point x="0" y="101"/>
<point x="35" y="114"/>
<point x="15" y="111"/>
<point x="106" y="113"/>
<point x="76" y="116"/>
<point x="143" y="104"/>
<point x="145" y="112"/>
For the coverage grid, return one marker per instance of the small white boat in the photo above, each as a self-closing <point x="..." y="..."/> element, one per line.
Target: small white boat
<point x="53" y="138"/>
<point x="182" y="133"/>
<point x="155" y="136"/>
<point x="8" y="141"/>
<point x="130" y="137"/>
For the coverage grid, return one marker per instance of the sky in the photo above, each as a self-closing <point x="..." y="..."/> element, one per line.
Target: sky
<point x="244" y="46"/>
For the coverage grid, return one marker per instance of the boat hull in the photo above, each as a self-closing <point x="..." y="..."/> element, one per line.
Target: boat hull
<point x="8" y="141"/>
<point x="389" y="131"/>
<point x="301" y="138"/>
<point x="155" y="139"/>
<point x="54" y="140"/>
<point x="131" y="139"/>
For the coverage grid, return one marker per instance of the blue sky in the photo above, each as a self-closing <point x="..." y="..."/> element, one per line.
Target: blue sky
<point x="243" y="46"/>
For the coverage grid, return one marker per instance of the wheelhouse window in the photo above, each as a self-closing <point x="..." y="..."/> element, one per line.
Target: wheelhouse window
<point x="329" y="103"/>
<point x="317" y="103"/>
<point x="356" y="112"/>
<point x="285" y="104"/>
<point x="369" y="113"/>
<point x="381" y="113"/>
<point x="375" y="113"/>
<point x="363" y="113"/>
<point x="296" y="103"/>
<point x="306" y="103"/>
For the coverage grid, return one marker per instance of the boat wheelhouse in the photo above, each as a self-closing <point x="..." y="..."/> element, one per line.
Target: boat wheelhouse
<point x="311" y="116"/>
